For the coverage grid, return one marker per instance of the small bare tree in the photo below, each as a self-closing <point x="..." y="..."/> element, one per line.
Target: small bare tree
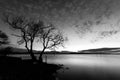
<point x="29" y="30"/>
<point x="3" y="39"/>
<point x="51" y="38"/>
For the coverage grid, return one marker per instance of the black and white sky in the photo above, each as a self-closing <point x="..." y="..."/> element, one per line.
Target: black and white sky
<point x="87" y="23"/>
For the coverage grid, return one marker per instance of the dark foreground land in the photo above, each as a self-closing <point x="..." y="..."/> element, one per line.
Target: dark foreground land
<point x="17" y="69"/>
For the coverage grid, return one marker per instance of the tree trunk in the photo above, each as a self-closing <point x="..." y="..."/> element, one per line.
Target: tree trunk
<point x="40" y="57"/>
<point x="33" y="56"/>
<point x="31" y="52"/>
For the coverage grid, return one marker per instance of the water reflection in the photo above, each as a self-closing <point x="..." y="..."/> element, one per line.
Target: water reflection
<point x="89" y="67"/>
<point x="86" y="60"/>
<point x="81" y="60"/>
<point x="95" y="67"/>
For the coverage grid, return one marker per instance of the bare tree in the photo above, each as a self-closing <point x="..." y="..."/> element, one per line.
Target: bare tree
<point x="51" y="38"/>
<point x="29" y="30"/>
<point x="3" y="39"/>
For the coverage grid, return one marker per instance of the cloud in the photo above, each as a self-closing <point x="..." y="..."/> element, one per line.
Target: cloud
<point x="104" y="34"/>
<point x="86" y="16"/>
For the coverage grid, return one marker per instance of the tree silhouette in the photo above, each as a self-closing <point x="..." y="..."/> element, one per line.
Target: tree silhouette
<point x="29" y="30"/>
<point x="50" y="38"/>
<point x="3" y="38"/>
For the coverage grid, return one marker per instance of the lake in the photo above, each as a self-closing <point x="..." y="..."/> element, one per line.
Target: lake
<point x="84" y="66"/>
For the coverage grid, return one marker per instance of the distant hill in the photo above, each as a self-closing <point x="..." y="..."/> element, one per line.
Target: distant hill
<point x="19" y="50"/>
<point x="13" y="50"/>
<point x="101" y="50"/>
<point x="89" y="51"/>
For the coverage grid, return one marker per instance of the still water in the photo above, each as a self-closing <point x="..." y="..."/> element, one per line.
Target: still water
<point x="95" y="67"/>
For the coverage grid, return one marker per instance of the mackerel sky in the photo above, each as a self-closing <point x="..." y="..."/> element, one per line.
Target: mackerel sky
<point x="86" y="23"/>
